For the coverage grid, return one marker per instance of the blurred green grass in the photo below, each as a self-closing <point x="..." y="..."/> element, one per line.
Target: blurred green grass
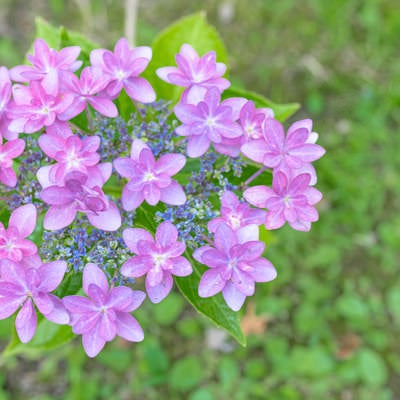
<point x="333" y="312"/>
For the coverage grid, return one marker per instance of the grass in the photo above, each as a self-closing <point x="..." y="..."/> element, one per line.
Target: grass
<point x="333" y="318"/>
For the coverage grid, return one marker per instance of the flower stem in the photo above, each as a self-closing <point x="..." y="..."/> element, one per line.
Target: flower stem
<point x="254" y="176"/>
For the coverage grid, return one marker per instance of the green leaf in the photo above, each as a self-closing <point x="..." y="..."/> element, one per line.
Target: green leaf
<point x="372" y="367"/>
<point x="48" y="336"/>
<point x="49" y="33"/>
<point x="282" y="111"/>
<point x="186" y="373"/>
<point x="194" y="30"/>
<point x="214" y="307"/>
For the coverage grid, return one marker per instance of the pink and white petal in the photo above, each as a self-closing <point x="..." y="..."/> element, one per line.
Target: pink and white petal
<point x="304" y="123"/>
<point x="78" y="304"/>
<point x="136" y="266"/>
<point x="181" y="266"/>
<point x="92" y="274"/>
<point x="152" y="194"/>
<point x="197" y="145"/>
<point x="224" y="238"/>
<point x="109" y="220"/>
<point x="163" y="72"/>
<point x="58" y="217"/>
<point x="8" y="177"/>
<point x="255" y="150"/>
<point x="274" y="133"/>
<point x="132" y="236"/>
<point x="43" y="176"/>
<point x="107" y="326"/>
<point x="51" y="144"/>
<point x="121" y="298"/>
<point x="262" y="270"/>
<point x="308" y="152"/>
<point x="51" y="275"/>
<point x="160" y="291"/>
<point x="24" y="219"/>
<point x="170" y="164"/>
<point x="275" y="219"/>
<point x="233" y="297"/>
<point x="137" y="147"/>
<point x="214" y="259"/>
<point x="58" y="314"/>
<point x="173" y="194"/>
<point x="166" y="234"/>
<point x="211" y="283"/>
<point x="236" y="104"/>
<point x="103" y="106"/>
<point x="57" y="196"/>
<point x="26" y="322"/>
<point x="299" y="225"/>
<point x="128" y="328"/>
<point x="198" y="253"/>
<point x="10" y="304"/>
<point x="313" y="195"/>
<point x="92" y="341"/>
<point x="243" y="282"/>
<point x="77" y="106"/>
<point x="258" y="195"/>
<point x="13" y="148"/>
<point x="131" y="200"/>
<point x="139" y="89"/>
<point x="247" y="233"/>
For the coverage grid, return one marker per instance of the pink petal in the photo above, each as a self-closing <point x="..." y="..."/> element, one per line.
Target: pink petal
<point x="92" y="274"/>
<point x="92" y="341"/>
<point x="170" y="164"/>
<point x="224" y="238"/>
<point x="233" y="297"/>
<point x="173" y="194"/>
<point x="58" y="217"/>
<point x="24" y="219"/>
<point x="139" y="89"/>
<point x="131" y="200"/>
<point x="109" y="220"/>
<point x="166" y="234"/>
<point x="125" y="299"/>
<point x="211" y="283"/>
<point x="132" y="236"/>
<point x="107" y="326"/>
<point x="258" y="195"/>
<point x="255" y="150"/>
<point x="128" y="328"/>
<point x="51" y="275"/>
<point x="262" y="270"/>
<point x="103" y="106"/>
<point x="26" y="322"/>
<point x="181" y="267"/>
<point x="137" y="266"/>
<point x="159" y="292"/>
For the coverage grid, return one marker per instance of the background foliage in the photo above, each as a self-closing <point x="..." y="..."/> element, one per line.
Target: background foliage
<point x="328" y="327"/>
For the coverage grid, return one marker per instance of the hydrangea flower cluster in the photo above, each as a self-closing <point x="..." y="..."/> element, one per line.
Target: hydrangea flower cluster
<point x="91" y="188"/>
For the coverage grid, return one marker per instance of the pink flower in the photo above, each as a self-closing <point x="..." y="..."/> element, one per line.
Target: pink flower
<point x="71" y="153"/>
<point x="92" y="81"/>
<point x="150" y="179"/>
<point x="105" y="313"/>
<point x="159" y="259"/>
<point x="8" y="152"/>
<point x="122" y="69"/>
<point x="46" y="66"/>
<point x="24" y="287"/>
<point x="13" y="243"/>
<point x="82" y="193"/>
<point x="288" y="200"/>
<point x="33" y="107"/>
<point x="195" y="71"/>
<point x="210" y="121"/>
<point x="274" y="150"/>
<point x="234" y="267"/>
<point x="239" y="217"/>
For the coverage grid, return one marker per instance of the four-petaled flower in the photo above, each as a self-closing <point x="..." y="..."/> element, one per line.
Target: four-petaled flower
<point x="234" y="267"/>
<point x="149" y="179"/>
<point x="23" y="287"/>
<point x="159" y="259"/>
<point x="105" y="313"/>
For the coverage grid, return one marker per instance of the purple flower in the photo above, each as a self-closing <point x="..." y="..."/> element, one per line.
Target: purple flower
<point x="84" y="90"/>
<point x="274" y="150"/>
<point x="288" y="200"/>
<point x="8" y="152"/>
<point x="159" y="259"/>
<point x="239" y="216"/>
<point x="210" y="121"/>
<point x="122" y="69"/>
<point x="83" y="193"/>
<point x="13" y="243"/>
<point x="234" y="267"/>
<point x="194" y="71"/>
<point x="71" y="153"/>
<point x="105" y="313"/>
<point x="150" y="179"/>
<point x="33" y="107"/>
<point x="24" y="287"/>
<point x="46" y="66"/>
